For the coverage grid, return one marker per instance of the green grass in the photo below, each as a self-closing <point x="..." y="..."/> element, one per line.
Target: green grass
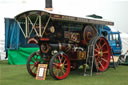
<point x="18" y="75"/>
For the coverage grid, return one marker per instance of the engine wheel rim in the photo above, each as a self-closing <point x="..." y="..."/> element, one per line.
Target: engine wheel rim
<point x="33" y="64"/>
<point x="61" y="66"/>
<point x="88" y="33"/>
<point x="102" y="54"/>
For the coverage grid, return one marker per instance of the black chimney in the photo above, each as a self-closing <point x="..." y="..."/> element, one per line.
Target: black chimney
<point x="48" y="5"/>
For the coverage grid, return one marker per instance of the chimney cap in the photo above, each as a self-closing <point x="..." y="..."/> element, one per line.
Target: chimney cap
<point x="49" y="9"/>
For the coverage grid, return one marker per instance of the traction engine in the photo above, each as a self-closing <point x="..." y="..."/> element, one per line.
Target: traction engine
<point x="64" y="42"/>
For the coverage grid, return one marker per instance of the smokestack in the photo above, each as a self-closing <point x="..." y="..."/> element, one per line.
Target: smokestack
<point x="48" y="5"/>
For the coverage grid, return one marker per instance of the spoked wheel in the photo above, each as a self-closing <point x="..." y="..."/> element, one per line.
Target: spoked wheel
<point x="32" y="63"/>
<point x="101" y="53"/>
<point x="59" y="66"/>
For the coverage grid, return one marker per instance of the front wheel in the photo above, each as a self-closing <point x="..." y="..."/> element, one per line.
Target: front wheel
<point x="32" y="63"/>
<point x="59" y="66"/>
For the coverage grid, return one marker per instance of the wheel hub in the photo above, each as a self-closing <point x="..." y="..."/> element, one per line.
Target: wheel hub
<point x="60" y="66"/>
<point x="101" y="54"/>
<point x="36" y="64"/>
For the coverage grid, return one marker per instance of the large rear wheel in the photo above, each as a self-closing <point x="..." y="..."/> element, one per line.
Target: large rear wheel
<point x="101" y="53"/>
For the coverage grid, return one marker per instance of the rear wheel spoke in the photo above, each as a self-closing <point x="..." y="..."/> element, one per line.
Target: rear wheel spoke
<point x="97" y="64"/>
<point x="97" y="59"/>
<point x="96" y="54"/>
<point x="96" y="50"/>
<point x="101" y="65"/>
<point x="97" y="47"/>
<point x="103" y="45"/>
<point x="104" y="60"/>
<point x="105" y="52"/>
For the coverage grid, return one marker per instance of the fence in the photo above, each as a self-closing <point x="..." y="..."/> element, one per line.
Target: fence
<point x="2" y="50"/>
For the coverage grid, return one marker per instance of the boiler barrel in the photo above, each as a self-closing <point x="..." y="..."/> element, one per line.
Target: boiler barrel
<point x="61" y="46"/>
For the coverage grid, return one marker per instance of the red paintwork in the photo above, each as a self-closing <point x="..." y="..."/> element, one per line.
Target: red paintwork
<point x="102" y="62"/>
<point x="44" y="39"/>
<point x="63" y="60"/>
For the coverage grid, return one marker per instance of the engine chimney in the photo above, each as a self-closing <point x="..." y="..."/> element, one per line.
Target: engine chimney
<point x="48" y="5"/>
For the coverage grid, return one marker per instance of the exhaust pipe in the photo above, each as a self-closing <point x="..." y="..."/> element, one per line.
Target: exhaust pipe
<point x="48" y="5"/>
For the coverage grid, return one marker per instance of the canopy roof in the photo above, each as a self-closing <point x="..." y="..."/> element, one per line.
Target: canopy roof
<point x="55" y="16"/>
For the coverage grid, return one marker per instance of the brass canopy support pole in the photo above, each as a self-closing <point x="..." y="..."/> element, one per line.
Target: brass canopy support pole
<point x="33" y="26"/>
<point x="26" y="28"/>
<point x="46" y="26"/>
<point x="40" y="26"/>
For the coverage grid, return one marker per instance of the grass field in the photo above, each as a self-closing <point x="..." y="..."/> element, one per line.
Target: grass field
<point x="18" y="75"/>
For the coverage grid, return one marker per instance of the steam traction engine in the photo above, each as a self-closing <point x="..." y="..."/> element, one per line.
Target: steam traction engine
<point x="65" y="42"/>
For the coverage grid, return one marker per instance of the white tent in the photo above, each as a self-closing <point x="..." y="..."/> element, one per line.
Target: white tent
<point x="124" y="38"/>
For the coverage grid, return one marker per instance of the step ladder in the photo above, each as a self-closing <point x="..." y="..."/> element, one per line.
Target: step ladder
<point x="89" y="60"/>
<point x="114" y="66"/>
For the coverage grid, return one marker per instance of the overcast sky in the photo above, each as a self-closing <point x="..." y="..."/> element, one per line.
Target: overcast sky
<point x="113" y="10"/>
